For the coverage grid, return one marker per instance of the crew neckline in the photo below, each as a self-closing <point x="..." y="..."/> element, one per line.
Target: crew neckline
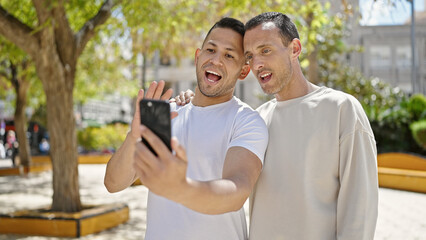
<point x="299" y="99"/>
<point x="214" y="106"/>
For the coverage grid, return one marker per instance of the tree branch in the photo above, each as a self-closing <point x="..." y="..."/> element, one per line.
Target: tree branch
<point x="64" y="36"/>
<point x="17" y="32"/>
<point x="46" y="35"/>
<point x="88" y="30"/>
<point x="42" y="11"/>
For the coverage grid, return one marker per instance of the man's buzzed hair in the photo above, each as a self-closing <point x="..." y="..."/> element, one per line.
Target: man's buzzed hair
<point x="287" y="28"/>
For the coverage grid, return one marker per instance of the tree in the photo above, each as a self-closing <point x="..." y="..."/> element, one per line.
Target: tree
<point x="54" y="48"/>
<point x="15" y="67"/>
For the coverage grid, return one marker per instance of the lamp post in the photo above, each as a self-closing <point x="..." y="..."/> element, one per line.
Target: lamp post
<point x="413" y="50"/>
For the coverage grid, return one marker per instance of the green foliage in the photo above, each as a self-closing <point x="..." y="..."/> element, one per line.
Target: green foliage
<point x="418" y="129"/>
<point x="102" y="70"/>
<point x="391" y="127"/>
<point x="10" y="54"/>
<point x="23" y="10"/>
<point x="417" y="106"/>
<point x="104" y="137"/>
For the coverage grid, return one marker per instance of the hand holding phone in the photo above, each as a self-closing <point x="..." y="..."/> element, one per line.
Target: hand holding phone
<point x="155" y="115"/>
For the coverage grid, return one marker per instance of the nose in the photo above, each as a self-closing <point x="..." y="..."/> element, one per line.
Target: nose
<point x="216" y="60"/>
<point x="257" y="63"/>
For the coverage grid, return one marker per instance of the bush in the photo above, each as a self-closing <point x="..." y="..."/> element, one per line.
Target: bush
<point x="418" y="129"/>
<point x="108" y="137"/>
<point x="392" y="127"/>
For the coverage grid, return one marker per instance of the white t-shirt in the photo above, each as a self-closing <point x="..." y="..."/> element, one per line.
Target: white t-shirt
<point x="319" y="179"/>
<point x="207" y="133"/>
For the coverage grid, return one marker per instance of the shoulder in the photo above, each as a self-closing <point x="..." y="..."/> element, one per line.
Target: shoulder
<point x="351" y="112"/>
<point x="339" y="99"/>
<point x="347" y="102"/>
<point x="249" y="131"/>
<point x="266" y="108"/>
<point x="245" y="111"/>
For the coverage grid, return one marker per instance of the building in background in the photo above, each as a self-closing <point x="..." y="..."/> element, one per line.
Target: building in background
<point x="98" y="112"/>
<point x="387" y="48"/>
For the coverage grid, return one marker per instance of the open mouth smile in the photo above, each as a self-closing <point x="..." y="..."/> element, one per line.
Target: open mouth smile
<point x="212" y="77"/>
<point x="265" y="77"/>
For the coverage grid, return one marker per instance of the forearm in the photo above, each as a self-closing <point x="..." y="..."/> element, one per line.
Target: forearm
<point x="120" y="172"/>
<point x="214" y="197"/>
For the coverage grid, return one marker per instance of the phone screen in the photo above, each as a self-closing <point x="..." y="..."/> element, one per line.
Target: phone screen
<point x="155" y="114"/>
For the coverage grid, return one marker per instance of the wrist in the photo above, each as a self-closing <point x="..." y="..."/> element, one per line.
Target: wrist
<point x="185" y="191"/>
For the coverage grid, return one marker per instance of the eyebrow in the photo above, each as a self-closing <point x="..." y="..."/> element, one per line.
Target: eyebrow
<point x="215" y="45"/>
<point x="258" y="47"/>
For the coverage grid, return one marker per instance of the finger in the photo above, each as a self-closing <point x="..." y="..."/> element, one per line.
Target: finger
<point x="140" y="173"/>
<point x="159" y="147"/>
<point x="151" y="90"/>
<point x="172" y="100"/>
<point x="159" y="90"/>
<point x="167" y="95"/>
<point x="144" y="158"/>
<point x="139" y="167"/>
<point x="138" y="99"/>
<point x="181" y="98"/>
<point x="179" y="150"/>
<point x="136" y="116"/>
<point x="188" y="95"/>
<point x="173" y="115"/>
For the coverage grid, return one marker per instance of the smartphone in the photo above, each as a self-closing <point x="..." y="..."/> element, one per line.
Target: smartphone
<point x="155" y="114"/>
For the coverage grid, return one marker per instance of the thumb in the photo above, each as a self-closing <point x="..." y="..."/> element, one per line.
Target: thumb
<point x="136" y="117"/>
<point x="180" y="151"/>
<point x="138" y="99"/>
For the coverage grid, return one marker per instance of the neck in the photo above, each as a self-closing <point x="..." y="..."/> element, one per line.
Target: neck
<point x="201" y="100"/>
<point x="298" y="86"/>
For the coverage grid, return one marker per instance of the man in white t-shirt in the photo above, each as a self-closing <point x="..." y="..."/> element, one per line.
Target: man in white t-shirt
<point x="219" y="143"/>
<point x="319" y="179"/>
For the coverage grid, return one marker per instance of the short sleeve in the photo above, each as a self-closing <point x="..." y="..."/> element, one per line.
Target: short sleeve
<point x="250" y="132"/>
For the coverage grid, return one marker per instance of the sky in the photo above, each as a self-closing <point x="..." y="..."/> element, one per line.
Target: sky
<point x="379" y="12"/>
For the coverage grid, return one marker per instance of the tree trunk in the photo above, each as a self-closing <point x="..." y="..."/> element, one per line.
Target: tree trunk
<point x="313" y="74"/>
<point x="58" y="85"/>
<point x="21" y="122"/>
<point x="60" y="116"/>
<point x="21" y="85"/>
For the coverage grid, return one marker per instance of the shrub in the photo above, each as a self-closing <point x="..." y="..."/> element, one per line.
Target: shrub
<point x="102" y="138"/>
<point x="392" y="126"/>
<point x="418" y="129"/>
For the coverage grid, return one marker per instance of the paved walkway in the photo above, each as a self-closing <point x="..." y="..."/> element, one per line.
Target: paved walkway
<point x="402" y="214"/>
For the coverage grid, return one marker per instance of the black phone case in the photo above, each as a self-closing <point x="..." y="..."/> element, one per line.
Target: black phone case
<point x="155" y="114"/>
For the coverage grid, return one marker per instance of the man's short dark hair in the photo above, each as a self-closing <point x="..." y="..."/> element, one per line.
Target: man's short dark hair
<point x="287" y="28"/>
<point x="230" y="23"/>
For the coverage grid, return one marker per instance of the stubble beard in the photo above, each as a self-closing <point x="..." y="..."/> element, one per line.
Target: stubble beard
<point x="282" y="80"/>
<point x="217" y="90"/>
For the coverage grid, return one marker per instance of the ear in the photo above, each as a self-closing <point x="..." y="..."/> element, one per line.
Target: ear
<point x="244" y="72"/>
<point x="197" y="52"/>
<point x="296" y="47"/>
